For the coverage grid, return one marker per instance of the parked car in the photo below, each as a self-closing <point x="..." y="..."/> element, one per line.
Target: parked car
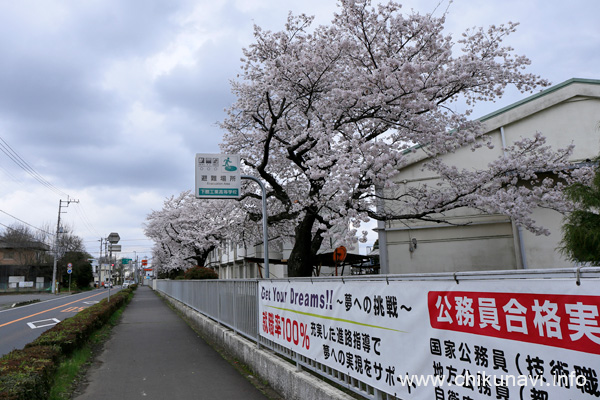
<point x="127" y="283"/>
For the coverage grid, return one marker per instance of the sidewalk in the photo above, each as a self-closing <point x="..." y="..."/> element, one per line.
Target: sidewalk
<point x="154" y="354"/>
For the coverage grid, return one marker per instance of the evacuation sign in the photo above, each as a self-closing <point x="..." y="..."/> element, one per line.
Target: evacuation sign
<point x="217" y="176"/>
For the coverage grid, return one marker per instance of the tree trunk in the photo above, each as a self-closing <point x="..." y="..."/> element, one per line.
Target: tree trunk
<point x="201" y="256"/>
<point x="302" y="257"/>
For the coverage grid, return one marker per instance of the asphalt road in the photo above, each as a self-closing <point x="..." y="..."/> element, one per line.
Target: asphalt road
<point x="21" y="325"/>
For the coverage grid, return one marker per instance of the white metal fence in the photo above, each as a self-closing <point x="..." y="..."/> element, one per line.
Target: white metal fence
<point x="234" y="304"/>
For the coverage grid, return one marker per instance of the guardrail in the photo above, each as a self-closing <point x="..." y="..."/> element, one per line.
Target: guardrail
<point x="235" y="304"/>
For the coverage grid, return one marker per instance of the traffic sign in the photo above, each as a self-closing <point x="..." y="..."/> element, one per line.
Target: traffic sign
<point x="113" y="238"/>
<point x="339" y="255"/>
<point x="69" y="268"/>
<point x="115" y="247"/>
<point x="125" y="261"/>
<point x="217" y="176"/>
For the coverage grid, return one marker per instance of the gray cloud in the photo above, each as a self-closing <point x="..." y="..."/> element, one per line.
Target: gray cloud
<point x="109" y="100"/>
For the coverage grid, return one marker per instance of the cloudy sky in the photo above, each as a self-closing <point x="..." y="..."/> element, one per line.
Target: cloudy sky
<point x="107" y="101"/>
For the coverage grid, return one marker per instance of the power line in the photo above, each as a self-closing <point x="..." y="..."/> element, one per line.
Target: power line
<point x="14" y="178"/>
<point x="86" y="221"/>
<point x="17" y="159"/>
<point x="26" y="223"/>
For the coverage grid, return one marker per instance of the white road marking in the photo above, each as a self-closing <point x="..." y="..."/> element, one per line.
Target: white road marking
<point x="33" y="325"/>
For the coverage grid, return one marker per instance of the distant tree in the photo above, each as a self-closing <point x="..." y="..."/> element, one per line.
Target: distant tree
<point x="70" y="249"/>
<point x="164" y="273"/>
<point x="29" y="246"/>
<point x="581" y="228"/>
<point x="17" y="234"/>
<point x="198" y="272"/>
<point x="160" y="258"/>
<point x="69" y="242"/>
<point x="82" y="273"/>
<point x="325" y="115"/>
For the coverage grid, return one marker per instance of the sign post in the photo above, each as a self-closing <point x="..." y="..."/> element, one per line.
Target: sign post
<point x="265" y="230"/>
<point x="112" y="238"/>
<point x="69" y="271"/>
<point x="218" y="177"/>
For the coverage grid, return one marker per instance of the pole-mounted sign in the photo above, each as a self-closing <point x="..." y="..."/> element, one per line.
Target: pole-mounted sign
<point x="114" y="247"/>
<point x="113" y="238"/>
<point x="217" y="176"/>
<point x="339" y="255"/>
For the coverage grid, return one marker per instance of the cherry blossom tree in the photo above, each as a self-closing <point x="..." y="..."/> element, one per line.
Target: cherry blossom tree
<point x="326" y="114"/>
<point x="186" y="229"/>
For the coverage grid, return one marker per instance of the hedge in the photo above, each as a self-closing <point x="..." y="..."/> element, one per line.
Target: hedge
<point x="27" y="374"/>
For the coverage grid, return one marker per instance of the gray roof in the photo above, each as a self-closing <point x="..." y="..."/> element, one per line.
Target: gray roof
<point x="539" y="95"/>
<point x="24" y="246"/>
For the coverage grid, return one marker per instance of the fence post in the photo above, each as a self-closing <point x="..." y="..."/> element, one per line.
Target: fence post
<point x="298" y="366"/>
<point x="235" y="295"/>
<point x="220" y="319"/>
<point x="256" y="296"/>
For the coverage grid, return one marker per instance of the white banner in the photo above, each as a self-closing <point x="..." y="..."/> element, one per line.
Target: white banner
<point x="511" y="339"/>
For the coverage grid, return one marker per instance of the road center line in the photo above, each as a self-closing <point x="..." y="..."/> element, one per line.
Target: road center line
<point x="50" y="309"/>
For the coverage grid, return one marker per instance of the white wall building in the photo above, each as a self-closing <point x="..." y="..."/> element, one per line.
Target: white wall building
<point x="566" y="113"/>
<point x="233" y="261"/>
<point x="236" y="261"/>
<point x="103" y="273"/>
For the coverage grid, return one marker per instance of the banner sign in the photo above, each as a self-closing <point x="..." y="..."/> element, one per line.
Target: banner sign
<point x="512" y="339"/>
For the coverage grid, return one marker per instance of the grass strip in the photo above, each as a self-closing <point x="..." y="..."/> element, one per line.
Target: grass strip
<point x="72" y="369"/>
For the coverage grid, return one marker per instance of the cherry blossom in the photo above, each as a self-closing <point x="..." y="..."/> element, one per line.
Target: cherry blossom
<point x="326" y="114"/>
<point x="186" y="229"/>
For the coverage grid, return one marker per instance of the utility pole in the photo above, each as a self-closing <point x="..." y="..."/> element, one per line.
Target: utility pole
<point x="60" y="206"/>
<point x="99" y="272"/>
